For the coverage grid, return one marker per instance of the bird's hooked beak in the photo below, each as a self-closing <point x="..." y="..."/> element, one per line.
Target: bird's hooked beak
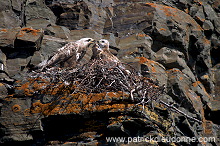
<point x="92" y="43"/>
<point x="97" y="46"/>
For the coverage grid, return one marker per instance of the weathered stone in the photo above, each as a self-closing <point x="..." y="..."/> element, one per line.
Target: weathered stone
<point x="81" y="14"/>
<point x="58" y="31"/>
<point x="216" y="5"/>
<point x="3" y="91"/>
<point x="17" y="67"/>
<point x="200" y="90"/>
<point x="148" y="68"/>
<point x="217" y="24"/>
<point x="210" y="13"/>
<point x="188" y="72"/>
<point x="17" y="5"/>
<point x="2" y="62"/>
<point x="136" y="45"/>
<point x="214" y="105"/>
<point x="7" y="37"/>
<point x="38" y="15"/>
<point x="85" y="33"/>
<point x="193" y="10"/>
<point x="155" y="71"/>
<point x="29" y="38"/>
<point x="39" y="23"/>
<point x="99" y="14"/>
<point x="76" y="15"/>
<point x="215" y="42"/>
<point x="170" y="58"/>
<point x="208" y="26"/>
<point x="200" y="16"/>
<point x="209" y="128"/>
<point x="128" y="21"/>
<point x="203" y="60"/>
<point x="8" y="19"/>
<point x="15" y="126"/>
<point x="35" y="59"/>
<point x="216" y="80"/>
<point x="27" y="41"/>
<point x="5" y="5"/>
<point x="179" y="86"/>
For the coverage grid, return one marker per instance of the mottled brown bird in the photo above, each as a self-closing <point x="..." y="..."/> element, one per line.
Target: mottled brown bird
<point x="73" y="53"/>
<point x="104" y="52"/>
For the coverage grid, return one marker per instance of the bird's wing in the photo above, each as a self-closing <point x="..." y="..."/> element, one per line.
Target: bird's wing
<point x="63" y="54"/>
<point x="85" y="56"/>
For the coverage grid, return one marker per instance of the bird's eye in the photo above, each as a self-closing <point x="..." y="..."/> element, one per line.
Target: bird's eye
<point x="88" y="40"/>
<point x="102" y="41"/>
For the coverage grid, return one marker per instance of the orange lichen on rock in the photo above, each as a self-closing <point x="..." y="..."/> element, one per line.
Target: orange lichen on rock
<point x="16" y="108"/>
<point x="162" y="29"/>
<point x="142" y="35"/>
<point x="116" y="94"/>
<point x="45" y="109"/>
<point x="206" y="41"/>
<point x="73" y="108"/>
<point x="4" y="30"/>
<point x="38" y="83"/>
<point x="93" y="97"/>
<point x="150" y="63"/>
<point x="26" y="89"/>
<point x="199" y="18"/>
<point x="195" y="84"/>
<point x="27" y="112"/>
<point x="207" y="125"/>
<point x="79" y="102"/>
<point x="175" y="14"/>
<point x="149" y="13"/>
<point x="31" y="31"/>
<point x="38" y="107"/>
<point x="155" y="117"/>
<point x="20" y="34"/>
<point x="142" y="60"/>
<point x="174" y="70"/>
<point x="152" y="5"/>
<point x="198" y="2"/>
<point x="67" y="102"/>
<point x="198" y="83"/>
<point x="168" y="11"/>
<point x="186" y="10"/>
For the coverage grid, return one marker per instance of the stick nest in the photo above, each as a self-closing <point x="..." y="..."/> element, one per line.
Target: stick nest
<point x="100" y="76"/>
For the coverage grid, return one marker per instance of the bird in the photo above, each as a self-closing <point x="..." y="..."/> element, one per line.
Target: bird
<point x="104" y="52"/>
<point x="70" y="55"/>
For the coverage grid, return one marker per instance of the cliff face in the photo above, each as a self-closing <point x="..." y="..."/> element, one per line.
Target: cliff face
<point x="174" y="43"/>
